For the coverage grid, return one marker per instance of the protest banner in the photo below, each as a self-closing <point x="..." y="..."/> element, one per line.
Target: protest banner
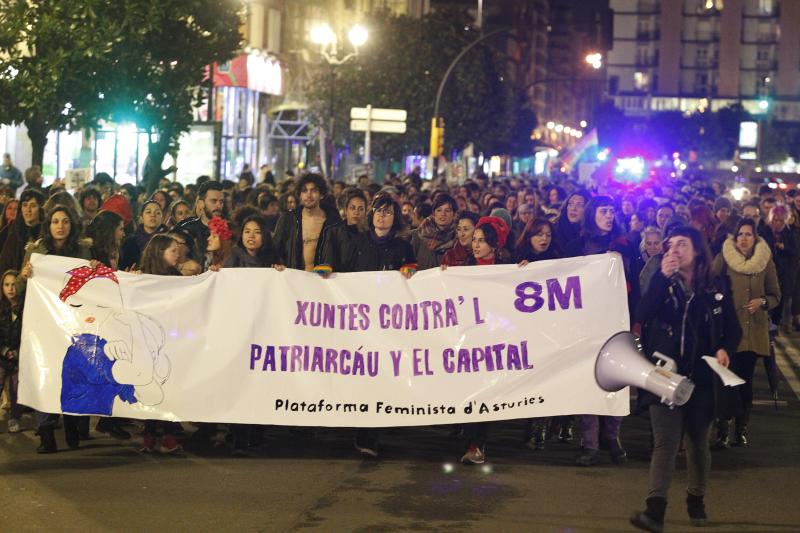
<point x="372" y="349"/>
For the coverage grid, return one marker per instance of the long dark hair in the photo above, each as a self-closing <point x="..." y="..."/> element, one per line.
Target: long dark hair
<point x="523" y="247"/>
<point x="71" y="247"/>
<point x="266" y="255"/>
<point x="5" y="305"/>
<point x="702" y="262"/>
<point x="589" y="230"/>
<point x="153" y="256"/>
<point x="102" y="230"/>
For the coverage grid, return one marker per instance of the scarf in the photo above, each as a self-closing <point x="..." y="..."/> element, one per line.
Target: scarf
<point x="486" y="261"/>
<point x="438" y="240"/>
<point x="744" y="265"/>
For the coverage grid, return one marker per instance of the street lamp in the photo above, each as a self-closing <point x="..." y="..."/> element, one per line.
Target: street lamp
<point x="324" y="36"/>
<point x="595" y="59"/>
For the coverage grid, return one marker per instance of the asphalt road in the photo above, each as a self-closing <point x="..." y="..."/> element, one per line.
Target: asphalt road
<point x="320" y="483"/>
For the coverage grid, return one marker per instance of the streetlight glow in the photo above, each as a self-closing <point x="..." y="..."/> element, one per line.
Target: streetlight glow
<point x="551" y="125"/>
<point x="322" y="34"/>
<point x="559" y="128"/>
<point x="584" y="123"/>
<point x="595" y="59"/>
<point x="358" y="35"/>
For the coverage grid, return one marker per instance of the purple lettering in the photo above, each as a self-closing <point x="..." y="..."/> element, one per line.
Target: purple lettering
<point x="555" y="293"/>
<point x="255" y="355"/>
<point x="302" y="307"/>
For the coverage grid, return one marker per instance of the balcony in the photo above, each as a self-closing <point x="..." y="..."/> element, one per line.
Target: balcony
<point x="652" y="35"/>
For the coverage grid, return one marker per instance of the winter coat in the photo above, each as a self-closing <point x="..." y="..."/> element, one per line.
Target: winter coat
<point x="652" y="265"/>
<point x="457" y="255"/>
<point x="785" y="258"/>
<point x="10" y="333"/>
<point x="239" y="258"/>
<point x="289" y="236"/>
<point x="38" y="247"/>
<point x="130" y="252"/>
<point x="686" y="328"/>
<point x="19" y="235"/>
<point x="749" y="278"/>
<point x="340" y="246"/>
<point x="379" y="253"/>
<point x="430" y="243"/>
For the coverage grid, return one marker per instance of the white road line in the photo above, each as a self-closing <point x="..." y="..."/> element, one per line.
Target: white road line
<point x="786" y="367"/>
<point x="789" y="350"/>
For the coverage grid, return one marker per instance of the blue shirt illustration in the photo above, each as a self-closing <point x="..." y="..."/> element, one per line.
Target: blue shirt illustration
<point x="87" y="384"/>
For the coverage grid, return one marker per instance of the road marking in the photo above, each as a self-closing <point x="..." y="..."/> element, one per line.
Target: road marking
<point x="785" y="365"/>
<point x="789" y="350"/>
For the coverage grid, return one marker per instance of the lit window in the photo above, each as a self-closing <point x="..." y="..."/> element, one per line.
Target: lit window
<point x="641" y="80"/>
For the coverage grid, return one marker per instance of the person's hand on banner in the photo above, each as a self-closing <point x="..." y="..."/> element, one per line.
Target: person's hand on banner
<point x="214" y="268"/>
<point x="523" y="263"/>
<point x="279" y="268"/>
<point x="27" y="271"/>
<point x="723" y="358"/>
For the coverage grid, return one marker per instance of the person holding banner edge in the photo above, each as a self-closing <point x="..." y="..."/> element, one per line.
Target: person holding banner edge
<point x="686" y="313"/>
<point x="61" y="232"/>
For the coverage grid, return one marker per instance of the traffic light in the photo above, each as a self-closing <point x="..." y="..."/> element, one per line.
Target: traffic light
<point x="434" y="148"/>
<point x="440" y="137"/>
<point x="437" y="137"/>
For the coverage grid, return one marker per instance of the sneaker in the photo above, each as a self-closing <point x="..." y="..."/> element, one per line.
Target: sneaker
<point x="474" y="456"/>
<point x="587" y="458"/>
<point x="169" y="444"/>
<point x="367" y="449"/>
<point x="148" y="444"/>
<point x="13" y="426"/>
<point x="565" y="433"/>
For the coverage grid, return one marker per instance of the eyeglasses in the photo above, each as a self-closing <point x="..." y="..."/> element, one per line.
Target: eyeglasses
<point x="384" y="212"/>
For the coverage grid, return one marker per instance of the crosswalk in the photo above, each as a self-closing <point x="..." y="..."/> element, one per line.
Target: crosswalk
<point x="787" y="357"/>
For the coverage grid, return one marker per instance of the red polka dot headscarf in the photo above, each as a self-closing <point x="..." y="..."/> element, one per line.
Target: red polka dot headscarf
<point x="78" y="277"/>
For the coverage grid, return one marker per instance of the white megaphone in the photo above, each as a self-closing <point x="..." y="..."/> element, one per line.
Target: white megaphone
<point x="621" y="363"/>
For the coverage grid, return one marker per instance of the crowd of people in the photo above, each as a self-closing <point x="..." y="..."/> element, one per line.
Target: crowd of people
<point x="706" y="275"/>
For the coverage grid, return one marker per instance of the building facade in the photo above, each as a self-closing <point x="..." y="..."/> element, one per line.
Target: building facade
<point x="694" y="54"/>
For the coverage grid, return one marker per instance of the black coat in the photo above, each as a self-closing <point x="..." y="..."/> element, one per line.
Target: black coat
<point x="289" y="237"/>
<point x="340" y="244"/>
<point x="371" y="253"/>
<point x="686" y="329"/>
<point x="10" y="333"/>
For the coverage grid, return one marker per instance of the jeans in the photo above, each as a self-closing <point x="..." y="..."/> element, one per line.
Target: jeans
<point x="593" y="426"/>
<point x="694" y="421"/>
<point x="743" y="364"/>
<point x="16" y="410"/>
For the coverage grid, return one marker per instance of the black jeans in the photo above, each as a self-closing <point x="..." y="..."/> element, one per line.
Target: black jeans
<point x="693" y="420"/>
<point x="743" y="364"/>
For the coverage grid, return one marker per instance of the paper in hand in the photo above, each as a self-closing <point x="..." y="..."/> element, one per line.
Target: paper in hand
<point x="729" y="379"/>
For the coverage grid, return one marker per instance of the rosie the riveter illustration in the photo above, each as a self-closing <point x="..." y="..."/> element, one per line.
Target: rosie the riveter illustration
<point x="115" y="353"/>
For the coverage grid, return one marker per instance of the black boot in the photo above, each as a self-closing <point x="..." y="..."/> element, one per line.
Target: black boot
<point x="565" y="432"/>
<point x="652" y="518"/>
<point x="696" y="509"/>
<point x="741" y="435"/>
<point x="618" y="454"/>
<point x="722" y="440"/>
<point x="71" y="431"/>
<point x="48" y="440"/>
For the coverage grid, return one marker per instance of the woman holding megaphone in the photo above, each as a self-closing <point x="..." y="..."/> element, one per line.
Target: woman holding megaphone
<point x="686" y="314"/>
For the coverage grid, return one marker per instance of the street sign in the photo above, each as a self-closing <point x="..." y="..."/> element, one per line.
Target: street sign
<point x="378" y="126"/>
<point x="368" y="119"/>
<point x="395" y="115"/>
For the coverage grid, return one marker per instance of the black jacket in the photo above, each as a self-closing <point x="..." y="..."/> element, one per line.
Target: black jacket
<point x="289" y="236"/>
<point x="340" y="246"/>
<point x="686" y="329"/>
<point x="199" y="233"/>
<point x="10" y="333"/>
<point x="371" y="253"/>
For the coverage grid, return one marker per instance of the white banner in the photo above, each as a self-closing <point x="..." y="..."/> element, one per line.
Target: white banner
<point x="369" y="349"/>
